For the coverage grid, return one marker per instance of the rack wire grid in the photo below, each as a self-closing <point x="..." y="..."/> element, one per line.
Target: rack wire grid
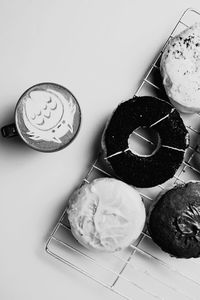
<point x="143" y="270"/>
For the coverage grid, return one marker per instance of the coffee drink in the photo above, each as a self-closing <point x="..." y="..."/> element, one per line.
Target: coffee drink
<point x="47" y="117"/>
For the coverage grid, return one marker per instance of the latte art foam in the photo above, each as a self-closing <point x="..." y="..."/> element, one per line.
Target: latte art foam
<point x="48" y="115"/>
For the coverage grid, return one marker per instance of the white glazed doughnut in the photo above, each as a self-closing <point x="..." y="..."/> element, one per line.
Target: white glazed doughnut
<point x="106" y="214"/>
<point x="180" y="69"/>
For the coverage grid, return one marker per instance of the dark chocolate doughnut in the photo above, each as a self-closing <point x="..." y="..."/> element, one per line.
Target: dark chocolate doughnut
<point x="142" y="171"/>
<point x="174" y="221"/>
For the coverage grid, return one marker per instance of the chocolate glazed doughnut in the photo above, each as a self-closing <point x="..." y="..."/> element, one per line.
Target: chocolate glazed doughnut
<point x="174" y="220"/>
<point x="145" y="112"/>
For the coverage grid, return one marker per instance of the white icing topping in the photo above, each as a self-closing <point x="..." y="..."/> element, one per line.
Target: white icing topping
<point x="106" y="214"/>
<point x="180" y="67"/>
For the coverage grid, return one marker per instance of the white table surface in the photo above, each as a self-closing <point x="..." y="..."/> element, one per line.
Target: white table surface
<point x="100" y="50"/>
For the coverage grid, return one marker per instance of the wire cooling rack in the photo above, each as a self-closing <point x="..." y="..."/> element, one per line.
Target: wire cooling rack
<point x="143" y="270"/>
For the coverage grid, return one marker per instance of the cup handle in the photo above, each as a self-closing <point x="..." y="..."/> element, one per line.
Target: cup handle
<point x="9" y="130"/>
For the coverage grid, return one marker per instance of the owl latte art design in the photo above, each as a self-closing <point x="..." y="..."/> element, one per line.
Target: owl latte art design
<point x="48" y="116"/>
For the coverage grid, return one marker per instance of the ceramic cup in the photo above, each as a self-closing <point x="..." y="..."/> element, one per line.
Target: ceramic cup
<point x="47" y="117"/>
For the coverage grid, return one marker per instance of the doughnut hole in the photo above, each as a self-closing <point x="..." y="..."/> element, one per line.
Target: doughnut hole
<point x="144" y="141"/>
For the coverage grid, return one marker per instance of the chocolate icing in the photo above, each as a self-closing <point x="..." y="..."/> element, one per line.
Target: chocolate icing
<point x="138" y="170"/>
<point x="189" y="222"/>
<point x="174" y="221"/>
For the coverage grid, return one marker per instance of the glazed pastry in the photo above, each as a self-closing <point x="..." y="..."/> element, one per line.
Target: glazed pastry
<point x="180" y="69"/>
<point x="161" y="165"/>
<point x="174" y="221"/>
<point x="106" y="214"/>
